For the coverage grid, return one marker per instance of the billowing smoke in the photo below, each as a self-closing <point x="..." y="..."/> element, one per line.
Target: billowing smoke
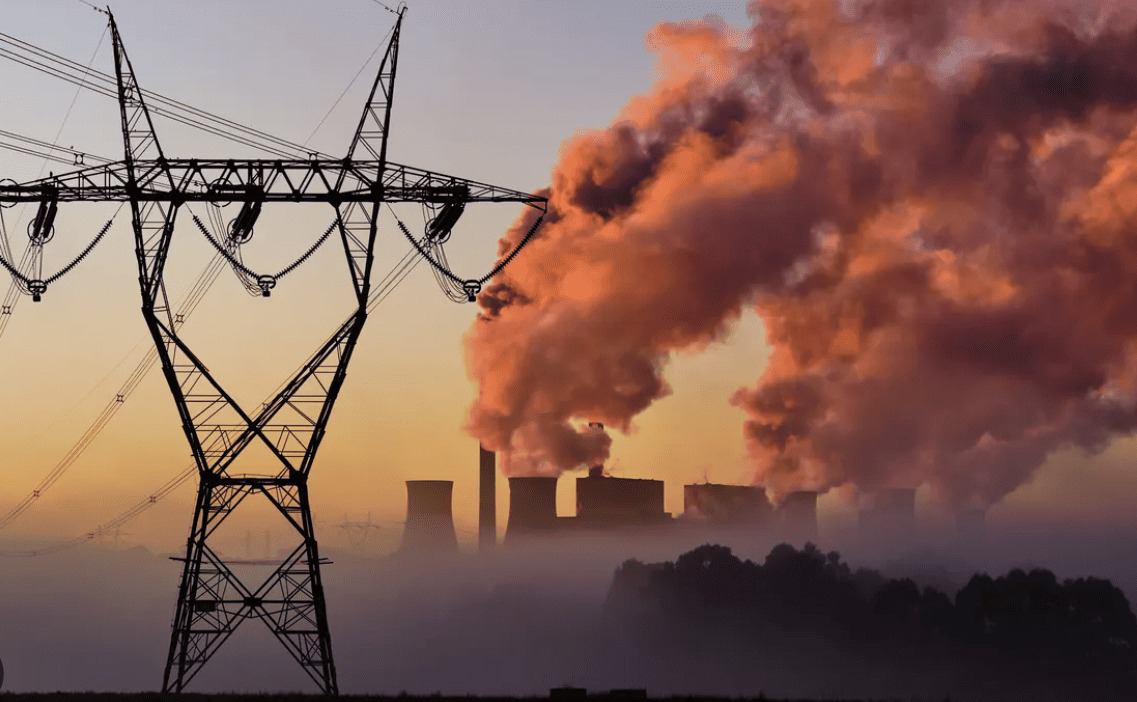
<point x="932" y="206"/>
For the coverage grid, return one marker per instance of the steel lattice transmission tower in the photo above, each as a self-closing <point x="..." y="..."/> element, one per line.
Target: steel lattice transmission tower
<point x="212" y="601"/>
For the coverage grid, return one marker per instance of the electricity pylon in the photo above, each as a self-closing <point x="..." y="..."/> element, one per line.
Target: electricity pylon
<point x="212" y="601"/>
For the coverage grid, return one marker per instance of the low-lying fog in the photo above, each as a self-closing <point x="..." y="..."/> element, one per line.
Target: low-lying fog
<point x="516" y="622"/>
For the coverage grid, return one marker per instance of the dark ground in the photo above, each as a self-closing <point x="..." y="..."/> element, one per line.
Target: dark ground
<point x="156" y="697"/>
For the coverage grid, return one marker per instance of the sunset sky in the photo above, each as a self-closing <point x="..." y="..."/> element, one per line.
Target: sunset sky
<point x="489" y="92"/>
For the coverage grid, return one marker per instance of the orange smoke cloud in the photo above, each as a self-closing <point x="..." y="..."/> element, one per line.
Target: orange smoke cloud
<point x="930" y="205"/>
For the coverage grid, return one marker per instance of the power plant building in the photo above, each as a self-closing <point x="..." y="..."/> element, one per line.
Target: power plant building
<point x="726" y="504"/>
<point x="606" y="501"/>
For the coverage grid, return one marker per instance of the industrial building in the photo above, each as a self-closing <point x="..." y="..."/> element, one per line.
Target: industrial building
<point x="606" y="501"/>
<point x="430" y="518"/>
<point x="724" y="505"/>
<point x="609" y="502"/>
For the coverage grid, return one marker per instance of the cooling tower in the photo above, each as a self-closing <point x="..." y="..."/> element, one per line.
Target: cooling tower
<point x="797" y="514"/>
<point x="726" y="504"/>
<point x="430" y="520"/>
<point x="532" y="507"/>
<point x="891" y="510"/>
<point x="487" y="499"/>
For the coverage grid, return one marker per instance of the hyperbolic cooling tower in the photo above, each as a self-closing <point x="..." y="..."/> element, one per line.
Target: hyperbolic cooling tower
<point x="532" y="506"/>
<point x="430" y="519"/>
<point x="798" y="513"/>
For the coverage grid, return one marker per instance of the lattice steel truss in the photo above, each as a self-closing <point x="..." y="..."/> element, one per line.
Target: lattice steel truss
<point x="212" y="600"/>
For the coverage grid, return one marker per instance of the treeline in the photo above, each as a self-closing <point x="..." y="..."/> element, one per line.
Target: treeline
<point x="807" y="614"/>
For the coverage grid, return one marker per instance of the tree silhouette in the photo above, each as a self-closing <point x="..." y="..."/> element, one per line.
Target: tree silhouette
<point x="1073" y="637"/>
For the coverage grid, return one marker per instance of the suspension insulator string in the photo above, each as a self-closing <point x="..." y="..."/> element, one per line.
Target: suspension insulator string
<point x="469" y="286"/>
<point x="513" y="254"/>
<point x="36" y="287"/>
<point x="217" y="220"/>
<point x="266" y="282"/>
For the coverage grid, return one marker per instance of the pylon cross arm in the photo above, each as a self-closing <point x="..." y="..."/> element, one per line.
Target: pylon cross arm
<point x="331" y="181"/>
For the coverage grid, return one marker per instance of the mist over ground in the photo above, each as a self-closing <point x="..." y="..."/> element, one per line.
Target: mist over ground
<point x="518" y="622"/>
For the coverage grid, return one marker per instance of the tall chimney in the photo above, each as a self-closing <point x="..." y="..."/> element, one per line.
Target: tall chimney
<point x="430" y="519"/>
<point x="487" y="499"/>
<point x="532" y="507"/>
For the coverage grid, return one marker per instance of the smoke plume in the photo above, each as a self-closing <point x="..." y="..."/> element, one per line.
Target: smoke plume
<point x="932" y="206"/>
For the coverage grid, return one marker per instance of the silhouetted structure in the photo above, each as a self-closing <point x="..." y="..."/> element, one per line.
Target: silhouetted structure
<point x="532" y="507"/>
<point x="797" y="514"/>
<point x="726" y="504"/>
<point x="358" y="531"/>
<point x="288" y="428"/>
<point x="430" y="518"/>
<point x="487" y="499"/>
<point x="1024" y="635"/>
<point x="606" y="501"/>
<point x="891" y="511"/>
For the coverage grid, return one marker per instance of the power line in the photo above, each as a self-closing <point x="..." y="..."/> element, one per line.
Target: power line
<point x="84" y="77"/>
<point x="63" y="64"/>
<point x="362" y="68"/>
<point x="49" y="150"/>
<point x="383" y="289"/>
<point x="32" y="250"/>
<point x="96" y="8"/>
<point x="75" y="97"/>
<point x="189" y="303"/>
<point x="386" y="7"/>
<point x="54" y="65"/>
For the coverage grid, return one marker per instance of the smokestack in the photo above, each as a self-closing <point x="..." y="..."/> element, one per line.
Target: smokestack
<point x="532" y="507"/>
<point x="430" y="519"/>
<point x="487" y="499"/>
<point x="798" y="514"/>
<point x="842" y="271"/>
